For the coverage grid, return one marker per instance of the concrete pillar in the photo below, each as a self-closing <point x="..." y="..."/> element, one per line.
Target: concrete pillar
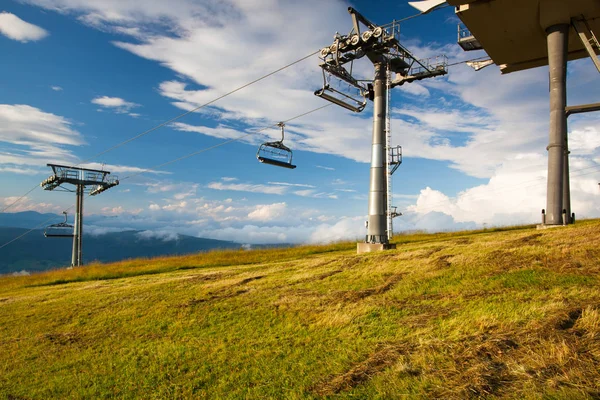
<point x="76" y="258"/>
<point x="376" y="231"/>
<point x="558" y="36"/>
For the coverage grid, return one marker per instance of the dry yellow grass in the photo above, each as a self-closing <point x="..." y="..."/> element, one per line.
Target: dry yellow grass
<point x="488" y="314"/>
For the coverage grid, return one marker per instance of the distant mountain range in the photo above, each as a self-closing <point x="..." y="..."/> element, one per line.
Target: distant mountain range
<point x="34" y="252"/>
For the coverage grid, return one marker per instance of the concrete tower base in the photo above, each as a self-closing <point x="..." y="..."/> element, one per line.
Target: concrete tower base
<point x="372" y="247"/>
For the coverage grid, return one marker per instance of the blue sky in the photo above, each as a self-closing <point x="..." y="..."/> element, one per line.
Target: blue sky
<point x="80" y="76"/>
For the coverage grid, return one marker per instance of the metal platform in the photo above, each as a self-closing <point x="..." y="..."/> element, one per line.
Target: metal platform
<point x="466" y="40"/>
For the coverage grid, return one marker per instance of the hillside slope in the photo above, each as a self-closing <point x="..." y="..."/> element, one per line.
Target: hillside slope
<point x="503" y="314"/>
<point x="51" y="253"/>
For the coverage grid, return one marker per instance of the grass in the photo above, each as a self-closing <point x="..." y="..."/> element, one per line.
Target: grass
<point x="503" y="313"/>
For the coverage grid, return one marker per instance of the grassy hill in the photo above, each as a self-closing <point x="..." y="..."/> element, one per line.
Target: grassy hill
<point x="490" y="314"/>
<point x="110" y="247"/>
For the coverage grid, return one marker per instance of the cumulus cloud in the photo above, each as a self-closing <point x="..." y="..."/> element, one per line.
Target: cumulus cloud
<point x="15" y="28"/>
<point x="268" y="212"/>
<point x="28" y="204"/>
<point x="344" y="229"/>
<point x="165" y="236"/>
<point x="117" y="105"/>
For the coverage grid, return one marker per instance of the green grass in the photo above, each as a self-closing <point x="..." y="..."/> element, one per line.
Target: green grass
<point x="502" y="313"/>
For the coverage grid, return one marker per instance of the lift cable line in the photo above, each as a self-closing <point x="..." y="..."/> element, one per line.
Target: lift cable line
<point x="222" y="143"/>
<point x="38" y="226"/>
<point x="172" y="162"/>
<point x="187" y="113"/>
<point x="173" y="120"/>
<point x="19" y="199"/>
<point x="198" y="108"/>
<point x="430" y="207"/>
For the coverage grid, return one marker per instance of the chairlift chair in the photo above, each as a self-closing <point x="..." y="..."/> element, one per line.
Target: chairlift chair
<point x="276" y="153"/>
<point x="61" y="230"/>
<point x="338" y="97"/>
<point x="341" y="99"/>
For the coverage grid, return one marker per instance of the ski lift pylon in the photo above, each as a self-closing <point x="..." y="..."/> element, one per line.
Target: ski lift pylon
<point x="61" y="230"/>
<point x="276" y="153"/>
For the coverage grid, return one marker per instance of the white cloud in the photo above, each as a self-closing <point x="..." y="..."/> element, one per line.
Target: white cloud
<point x="178" y="191"/>
<point x="515" y="194"/>
<point x="56" y="88"/>
<point x="291" y="184"/>
<point x="34" y="138"/>
<point x="344" y="229"/>
<point x="116" y="104"/>
<point x="113" y="102"/>
<point x="28" y="204"/>
<point x="315" y="194"/>
<point x="268" y="212"/>
<point x="22" y="124"/>
<point x="101" y="230"/>
<point x="22" y="171"/>
<point x="165" y="236"/>
<point x="247" y="187"/>
<point x="122" y="169"/>
<point x="15" y="28"/>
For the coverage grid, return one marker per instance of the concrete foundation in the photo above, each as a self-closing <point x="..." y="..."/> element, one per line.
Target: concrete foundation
<point x="543" y="226"/>
<point x="372" y="247"/>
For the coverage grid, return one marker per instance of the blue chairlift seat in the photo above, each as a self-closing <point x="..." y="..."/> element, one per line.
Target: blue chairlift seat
<point x="276" y="153"/>
<point x="61" y="230"/>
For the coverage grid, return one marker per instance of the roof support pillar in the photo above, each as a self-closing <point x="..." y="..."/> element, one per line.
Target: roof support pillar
<point x="558" y="188"/>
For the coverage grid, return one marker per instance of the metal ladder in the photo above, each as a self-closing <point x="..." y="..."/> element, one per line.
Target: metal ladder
<point x="389" y="153"/>
<point x="588" y="39"/>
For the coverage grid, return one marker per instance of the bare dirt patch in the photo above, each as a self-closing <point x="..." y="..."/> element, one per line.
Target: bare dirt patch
<point x="62" y="339"/>
<point x="525" y="241"/>
<point x="363" y="371"/>
<point x="388" y="285"/>
<point x="213" y="297"/>
<point x="442" y="261"/>
<point x="251" y="279"/>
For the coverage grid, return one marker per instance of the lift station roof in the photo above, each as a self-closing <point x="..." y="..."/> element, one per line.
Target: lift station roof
<point x="512" y="32"/>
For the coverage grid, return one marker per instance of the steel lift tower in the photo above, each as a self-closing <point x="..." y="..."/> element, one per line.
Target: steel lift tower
<point x="89" y="181"/>
<point x="381" y="45"/>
